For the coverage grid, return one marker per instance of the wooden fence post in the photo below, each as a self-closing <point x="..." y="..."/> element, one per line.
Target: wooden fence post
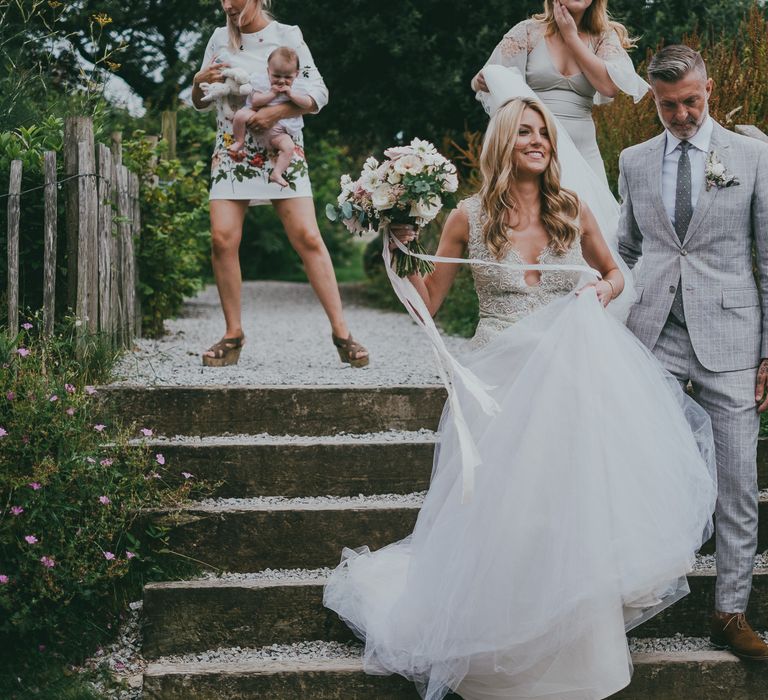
<point x="125" y="251"/>
<point x="136" y="241"/>
<point x="76" y="129"/>
<point x="116" y="274"/>
<point x="14" y="212"/>
<point x="87" y="307"/>
<point x="168" y="130"/>
<point x="49" y="255"/>
<point x="105" y="239"/>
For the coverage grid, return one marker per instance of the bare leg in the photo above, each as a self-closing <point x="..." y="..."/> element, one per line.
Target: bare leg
<point x="298" y="217"/>
<point x="285" y="146"/>
<point x="239" y="123"/>
<point x="227" y="218"/>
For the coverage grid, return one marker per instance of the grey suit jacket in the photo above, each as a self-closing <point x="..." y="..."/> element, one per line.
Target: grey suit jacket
<point x="726" y="319"/>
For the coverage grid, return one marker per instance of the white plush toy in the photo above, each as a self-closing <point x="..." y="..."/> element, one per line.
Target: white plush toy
<point x="236" y="83"/>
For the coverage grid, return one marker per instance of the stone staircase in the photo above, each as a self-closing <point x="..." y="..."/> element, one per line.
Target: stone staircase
<point x="284" y="510"/>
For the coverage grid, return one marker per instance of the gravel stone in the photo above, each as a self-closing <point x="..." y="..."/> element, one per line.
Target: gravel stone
<point x="706" y="562"/>
<point x="398" y="436"/>
<point x="300" y="651"/>
<point x="288" y="342"/>
<point x="269" y="574"/>
<point x="672" y="644"/>
<point x="122" y="660"/>
<point x="379" y="500"/>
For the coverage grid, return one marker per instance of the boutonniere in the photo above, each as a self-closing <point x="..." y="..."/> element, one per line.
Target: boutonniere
<point x="717" y="174"/>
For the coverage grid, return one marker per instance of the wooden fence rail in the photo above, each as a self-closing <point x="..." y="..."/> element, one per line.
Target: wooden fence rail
<point x="102" y="228"/>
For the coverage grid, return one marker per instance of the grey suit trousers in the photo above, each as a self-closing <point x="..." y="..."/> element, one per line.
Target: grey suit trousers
<point x="729" y="399"/>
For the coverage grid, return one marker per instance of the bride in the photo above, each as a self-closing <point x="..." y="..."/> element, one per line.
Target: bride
<point x="595" y="486"/>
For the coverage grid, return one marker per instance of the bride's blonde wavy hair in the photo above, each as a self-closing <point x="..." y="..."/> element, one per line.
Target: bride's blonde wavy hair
<point x="249" y="12"/>
<point x="596" y="21"/>
<point x="498" y="168"/>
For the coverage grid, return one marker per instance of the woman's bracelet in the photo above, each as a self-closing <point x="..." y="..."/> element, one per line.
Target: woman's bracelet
<point x="613" y="289"/>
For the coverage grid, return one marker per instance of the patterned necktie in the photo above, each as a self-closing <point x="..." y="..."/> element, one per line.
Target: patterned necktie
<point x="683" y="208"/>
<point x="683" y="214"/>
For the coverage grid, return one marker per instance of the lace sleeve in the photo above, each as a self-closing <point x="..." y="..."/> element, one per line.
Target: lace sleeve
<point x="512" y="51"/>
<point x="620" y="68"/>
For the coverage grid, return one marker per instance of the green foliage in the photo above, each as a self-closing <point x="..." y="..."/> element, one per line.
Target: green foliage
<point x="72" y="486"/>
<point x="172" y="251"/>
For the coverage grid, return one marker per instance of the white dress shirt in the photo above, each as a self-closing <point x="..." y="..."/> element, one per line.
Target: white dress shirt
<point x="697" y="155"/>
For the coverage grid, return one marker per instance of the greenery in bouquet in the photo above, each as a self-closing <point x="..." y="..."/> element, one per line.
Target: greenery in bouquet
<point x="406" y="188"/>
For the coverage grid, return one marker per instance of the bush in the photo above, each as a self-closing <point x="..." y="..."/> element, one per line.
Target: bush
<point x="72" y="485"/>
<point x="172" y="251"/>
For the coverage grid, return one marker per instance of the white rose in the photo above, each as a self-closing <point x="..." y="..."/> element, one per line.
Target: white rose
<point x="383" y="197"/>
<point x="370" y="180"/>
<point x="409" y="164"/>
<point x="450" y="182"/>
<point x="426" y="211"/>
<point x="371" y="164"/>
<point x="394" y="177"/>
<point x="717" y="170"/>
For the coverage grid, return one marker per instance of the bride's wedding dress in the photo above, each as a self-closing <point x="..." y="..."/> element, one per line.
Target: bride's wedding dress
<point x="595" y="490"/>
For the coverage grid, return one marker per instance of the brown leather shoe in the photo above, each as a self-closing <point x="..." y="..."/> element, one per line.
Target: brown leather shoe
<point x="732" y="631"/>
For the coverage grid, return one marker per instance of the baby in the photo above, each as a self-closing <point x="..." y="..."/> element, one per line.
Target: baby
<point x="281" y="84"/>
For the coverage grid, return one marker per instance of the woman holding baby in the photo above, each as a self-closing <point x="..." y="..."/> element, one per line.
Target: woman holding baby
<point x="264" y="162"/>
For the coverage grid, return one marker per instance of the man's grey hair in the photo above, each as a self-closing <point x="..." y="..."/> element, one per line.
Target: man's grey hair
<point x="674" y="62"/>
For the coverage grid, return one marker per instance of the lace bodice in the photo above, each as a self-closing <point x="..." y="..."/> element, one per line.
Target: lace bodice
<point x="504" y="295"/>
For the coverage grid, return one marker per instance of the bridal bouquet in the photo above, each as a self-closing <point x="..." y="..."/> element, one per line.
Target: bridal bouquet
<point x="406" y="188"/>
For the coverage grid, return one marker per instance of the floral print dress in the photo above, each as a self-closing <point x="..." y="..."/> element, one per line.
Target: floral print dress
<point x="246" y="176"/>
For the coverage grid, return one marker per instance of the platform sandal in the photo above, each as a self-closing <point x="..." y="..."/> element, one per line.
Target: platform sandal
<point x="225" y="352"/>
<point x="349" y="350"/>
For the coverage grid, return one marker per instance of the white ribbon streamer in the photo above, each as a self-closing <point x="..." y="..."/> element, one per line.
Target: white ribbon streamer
<point x="449" y="368"/>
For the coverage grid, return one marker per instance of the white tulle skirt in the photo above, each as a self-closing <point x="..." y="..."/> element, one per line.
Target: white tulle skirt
<point x="596" y="489"/>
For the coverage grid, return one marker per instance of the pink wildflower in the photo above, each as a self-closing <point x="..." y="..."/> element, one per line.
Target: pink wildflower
<point x="129" y="555"/>
<point x="23" y="352"/>
<point x="35" y="486"/>
<point x="90" y="390"/>
<point x="187" y="475"/>
<point x="11" y="395"/>
<point x="159" y="459"/>
<point x="99" y="427"/>
<point x="106" y="462"/>
<point x="109" y="556"/>
<point x="3" y="432"/>
<point x="47" y="562"/>
<point x="26" y="326"/>
<point x="53" y="398"/>
<point x="146" y="432"/>
<point x="70" y="411"/>
<point x="104" y="500"/>
<point x="31" y="539"/>
<point x="3" y="578"/>
<point x="17" y="510"/>
<point x="70" y="389"/>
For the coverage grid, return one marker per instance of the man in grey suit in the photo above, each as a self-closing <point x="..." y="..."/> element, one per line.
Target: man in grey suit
<point x="694" y="204"/>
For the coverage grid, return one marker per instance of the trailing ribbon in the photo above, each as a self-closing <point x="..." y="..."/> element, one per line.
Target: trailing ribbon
<point x="450" y="369"/>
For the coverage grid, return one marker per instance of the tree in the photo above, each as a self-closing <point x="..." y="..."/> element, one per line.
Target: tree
<point x="161" y="42"/>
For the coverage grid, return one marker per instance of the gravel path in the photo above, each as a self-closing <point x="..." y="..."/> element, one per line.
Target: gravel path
<point x="288" y="343"/>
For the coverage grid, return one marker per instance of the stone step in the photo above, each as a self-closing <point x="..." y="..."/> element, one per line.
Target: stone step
<point x="703" y="675"/>
<point x="345" y="465"/>
<point x="399" y="462"/>
<point x="256" y="534"/>
<point x="191" y="616"/>
<point x="279" y="410"/>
